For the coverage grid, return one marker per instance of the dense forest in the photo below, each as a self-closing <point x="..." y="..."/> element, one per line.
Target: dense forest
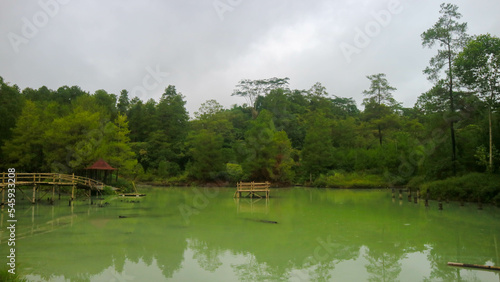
<point x="283" y="135"/>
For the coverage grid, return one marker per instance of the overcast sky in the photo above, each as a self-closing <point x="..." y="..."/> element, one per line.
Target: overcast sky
<point x="205" y="47"/>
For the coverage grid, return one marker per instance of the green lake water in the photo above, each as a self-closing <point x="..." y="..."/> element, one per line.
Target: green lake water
<point x="201" y="234"/>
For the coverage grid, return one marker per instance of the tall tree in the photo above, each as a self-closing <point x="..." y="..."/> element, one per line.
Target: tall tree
<point x="11" y="104"/>
<point x="207" y="158"/>
<point x="172" y="114"/>
<point x="123" y="102"/>
<point x="380" y="91"/>
<point x="24" y="150"/>
<point x="251" y="89"/>
<point x="266" y="153"/>
<point x="451" y="37"/>
<point x="167" y="143"/>
<point x="478" y="67"/>
<point x="318" y="148"/>
<point x="317" y="90"/>
<point x="108" y="101"/>
<point x="380" y="102"/>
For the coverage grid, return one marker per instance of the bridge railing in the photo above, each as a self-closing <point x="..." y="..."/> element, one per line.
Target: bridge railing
<point x="52" y="179"/>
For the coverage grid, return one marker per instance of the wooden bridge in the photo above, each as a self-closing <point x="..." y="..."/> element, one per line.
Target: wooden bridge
<point x="253" y="189"/>
<point x="56" y="180"/>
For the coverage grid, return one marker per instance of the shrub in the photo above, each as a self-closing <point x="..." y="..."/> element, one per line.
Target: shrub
<point x="349" y="180"/>
<point x="470" y="187"/>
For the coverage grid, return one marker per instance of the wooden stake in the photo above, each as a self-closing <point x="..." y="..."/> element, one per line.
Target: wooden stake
<point x="73" y="189"/>
<point x="34" y="194"/>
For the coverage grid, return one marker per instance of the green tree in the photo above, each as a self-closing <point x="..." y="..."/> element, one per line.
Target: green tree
<point x="380" y="92"/>
<point x="257" y="151"/>
<point x="123" y="102"/>
<point x="63" y="145"/>
<point x="172" y="115"/>
<point x="167" y="142"/>
<point x="234" y="172"/>
<point x="451" y="37"/>
<point x="478" y="67"/>
<point x="380" y="103"/>
<point x="142" y="119"/>
<point x="212" y="117"/>
<point x="115" y="146"/>
<point x="283" y="169"/>
<point x="207" y="158"/>
<point x="251" y="89"/>
<point x="318" y="150"/>
<point x="24" y="151"/>
<point x="65" y="95"/>
<point x="107" y="101"/>
<point x="209" y="109"/>
<point x="265" y="154"/>
<point x="11" y="105"/>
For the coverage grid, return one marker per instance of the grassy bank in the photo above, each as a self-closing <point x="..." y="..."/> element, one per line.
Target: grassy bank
<point x="349" y="180"/>
<point x="471" y="187"/>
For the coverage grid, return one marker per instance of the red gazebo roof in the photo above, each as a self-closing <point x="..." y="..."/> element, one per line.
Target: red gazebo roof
<point x="101" y="165"/>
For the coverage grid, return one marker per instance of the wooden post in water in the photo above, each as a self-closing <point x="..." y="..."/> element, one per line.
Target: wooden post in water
<point x="409" y="195"/>
<point x="400" y="194"/>
<point x="33" y="200"/>
<point x="3" y="195"/>
<point x="427" y="199"/>
<point x="73" y="188"/>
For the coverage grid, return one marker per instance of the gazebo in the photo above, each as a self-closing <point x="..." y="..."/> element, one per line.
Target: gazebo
<point x="96" y="170"/>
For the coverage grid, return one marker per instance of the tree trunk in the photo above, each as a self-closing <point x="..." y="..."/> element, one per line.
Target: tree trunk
<point x="491" y="141"/>
<point x="452" y="109"/>
<point x="380" y="135"/>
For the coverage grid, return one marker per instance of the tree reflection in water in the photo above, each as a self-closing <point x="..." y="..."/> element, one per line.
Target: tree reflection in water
<point x="321" y="235"/>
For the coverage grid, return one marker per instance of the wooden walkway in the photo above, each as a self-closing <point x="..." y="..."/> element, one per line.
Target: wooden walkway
<point x="56" y="180"/>
<point x="254" y="189"/>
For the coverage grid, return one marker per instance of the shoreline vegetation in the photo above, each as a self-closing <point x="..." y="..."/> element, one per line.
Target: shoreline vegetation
<point x="472" y="187"/>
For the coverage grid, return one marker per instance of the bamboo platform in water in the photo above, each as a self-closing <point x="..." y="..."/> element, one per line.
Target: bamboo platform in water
<point x="254" y="189"/>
